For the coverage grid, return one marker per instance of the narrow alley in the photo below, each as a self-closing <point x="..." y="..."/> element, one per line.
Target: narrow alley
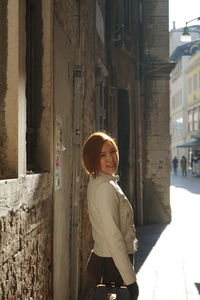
<point x="168" y="262"/>
<point x="69" y="68"/>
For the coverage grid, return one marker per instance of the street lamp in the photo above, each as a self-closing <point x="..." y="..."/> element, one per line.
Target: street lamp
<point x="186" y="37"/>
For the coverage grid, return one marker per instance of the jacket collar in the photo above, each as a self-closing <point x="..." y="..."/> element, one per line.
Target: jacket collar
<point x="109" y="177"/>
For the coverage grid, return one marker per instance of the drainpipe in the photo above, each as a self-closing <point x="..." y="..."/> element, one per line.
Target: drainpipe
<point x="77" y="94"/>
<point x="74" y="253"/>
<point x="138" y="155"/>
<point x="138" y="128"/>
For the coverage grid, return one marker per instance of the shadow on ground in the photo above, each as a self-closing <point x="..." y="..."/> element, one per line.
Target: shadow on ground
<point x="188" y="183"/>
<point x="197" y="284"/>
<point x="147" y="238"/>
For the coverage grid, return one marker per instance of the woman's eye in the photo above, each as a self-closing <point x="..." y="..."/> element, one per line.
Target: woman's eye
<point x="113" y="151"/>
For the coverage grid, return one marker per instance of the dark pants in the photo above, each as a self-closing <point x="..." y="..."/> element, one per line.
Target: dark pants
<point x="98" y="266"/>
<point x="184" y="173"/>
<point x="175" y="170"/>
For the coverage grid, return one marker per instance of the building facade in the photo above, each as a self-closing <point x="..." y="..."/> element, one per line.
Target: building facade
<point x="178" y="108"/>
<point x="69" y="68"/>
<point x="193" y="111"/>
<point x="184" y="101"/>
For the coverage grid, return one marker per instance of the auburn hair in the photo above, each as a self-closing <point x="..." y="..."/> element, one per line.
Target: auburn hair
<point x="92" y="150"/>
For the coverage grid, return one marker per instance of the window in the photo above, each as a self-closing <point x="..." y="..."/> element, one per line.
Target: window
<point x="199" y="80"/>
<point x="195" y="118"/>
<point x="180" y="126"/>
<point x="33" y="79"/>
<point x="177" y="99"/>
<point x="190" y="121"/>
<point x="199" y="118"/>
<point x="24" y="135"/>
<point x="177" y="128"/>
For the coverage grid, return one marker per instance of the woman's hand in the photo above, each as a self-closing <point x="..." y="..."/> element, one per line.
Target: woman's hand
<point x="134" y="290"/>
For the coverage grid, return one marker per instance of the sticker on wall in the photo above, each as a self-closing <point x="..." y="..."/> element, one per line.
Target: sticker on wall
<point x="58" y="153"/>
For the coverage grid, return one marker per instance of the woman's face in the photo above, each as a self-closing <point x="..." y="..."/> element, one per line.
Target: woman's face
<point x="109" y="158"/>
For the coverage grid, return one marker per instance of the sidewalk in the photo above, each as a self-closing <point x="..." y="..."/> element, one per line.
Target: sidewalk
<point x="168" y="262"/>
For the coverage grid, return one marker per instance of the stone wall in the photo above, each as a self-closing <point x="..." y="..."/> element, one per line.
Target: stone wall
<point x="26" y="206"/>
<point x="26" y="238"/>
<point x="156" y="70"/>
<point x="157" y="159"/>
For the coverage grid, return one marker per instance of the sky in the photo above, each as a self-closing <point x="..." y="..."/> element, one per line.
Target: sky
<point x="182" y="11"/>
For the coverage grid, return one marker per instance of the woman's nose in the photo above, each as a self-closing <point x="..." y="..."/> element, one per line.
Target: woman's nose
<point x="110" y="157"/>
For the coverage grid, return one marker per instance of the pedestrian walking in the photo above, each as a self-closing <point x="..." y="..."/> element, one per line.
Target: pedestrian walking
<point x="175" y="165"/>
<point x="184" y="166"/>
<point x="111" y="216"/>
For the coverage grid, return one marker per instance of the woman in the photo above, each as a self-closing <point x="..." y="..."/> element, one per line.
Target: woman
<point x="111" y="216"/>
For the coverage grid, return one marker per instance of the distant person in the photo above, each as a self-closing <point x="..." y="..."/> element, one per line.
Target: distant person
<point x="175" y="165"/>
<point x="184" y="166"/>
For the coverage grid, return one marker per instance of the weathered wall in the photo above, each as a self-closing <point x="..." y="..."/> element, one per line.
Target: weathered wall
<point x="8" y="53"/>
<point x="26" y="207"/>
<point x="25" y="238"/>
<point x="156" y="112"/>
<point x="3" y="83"/>
<point x="75" y="31"/>
<point x="89" y="52"/>
<point x="63" y="112"/>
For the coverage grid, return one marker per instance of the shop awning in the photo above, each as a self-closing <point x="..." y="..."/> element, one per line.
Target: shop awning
<point x="190" y="144"/>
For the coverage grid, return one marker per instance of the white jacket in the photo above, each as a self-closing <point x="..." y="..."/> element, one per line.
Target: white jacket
<point x="111" y="216"/>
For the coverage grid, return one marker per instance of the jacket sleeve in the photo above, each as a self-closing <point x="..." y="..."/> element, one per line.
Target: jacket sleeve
<point x="107" y="203"/>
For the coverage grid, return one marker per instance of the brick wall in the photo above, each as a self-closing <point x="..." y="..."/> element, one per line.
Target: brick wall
<point x="26" y="238"/>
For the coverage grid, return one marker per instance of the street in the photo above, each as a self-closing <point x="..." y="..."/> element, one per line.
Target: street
<point x="167" y="262"/>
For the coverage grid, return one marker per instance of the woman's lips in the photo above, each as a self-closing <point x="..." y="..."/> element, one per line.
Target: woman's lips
<point x="111" y="166"/>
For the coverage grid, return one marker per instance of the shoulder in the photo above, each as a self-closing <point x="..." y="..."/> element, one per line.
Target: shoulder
<point x="102" y="189"/>
<point x="101" y="185"/>
<point x="106" y="187"/>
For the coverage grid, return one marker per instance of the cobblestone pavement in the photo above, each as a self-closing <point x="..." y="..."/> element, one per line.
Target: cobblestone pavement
<point x="168" y="259"/>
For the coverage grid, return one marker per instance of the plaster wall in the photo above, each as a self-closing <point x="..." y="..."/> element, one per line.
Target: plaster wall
<point x="74" y="101"/>
<point x="63" y="99"/>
